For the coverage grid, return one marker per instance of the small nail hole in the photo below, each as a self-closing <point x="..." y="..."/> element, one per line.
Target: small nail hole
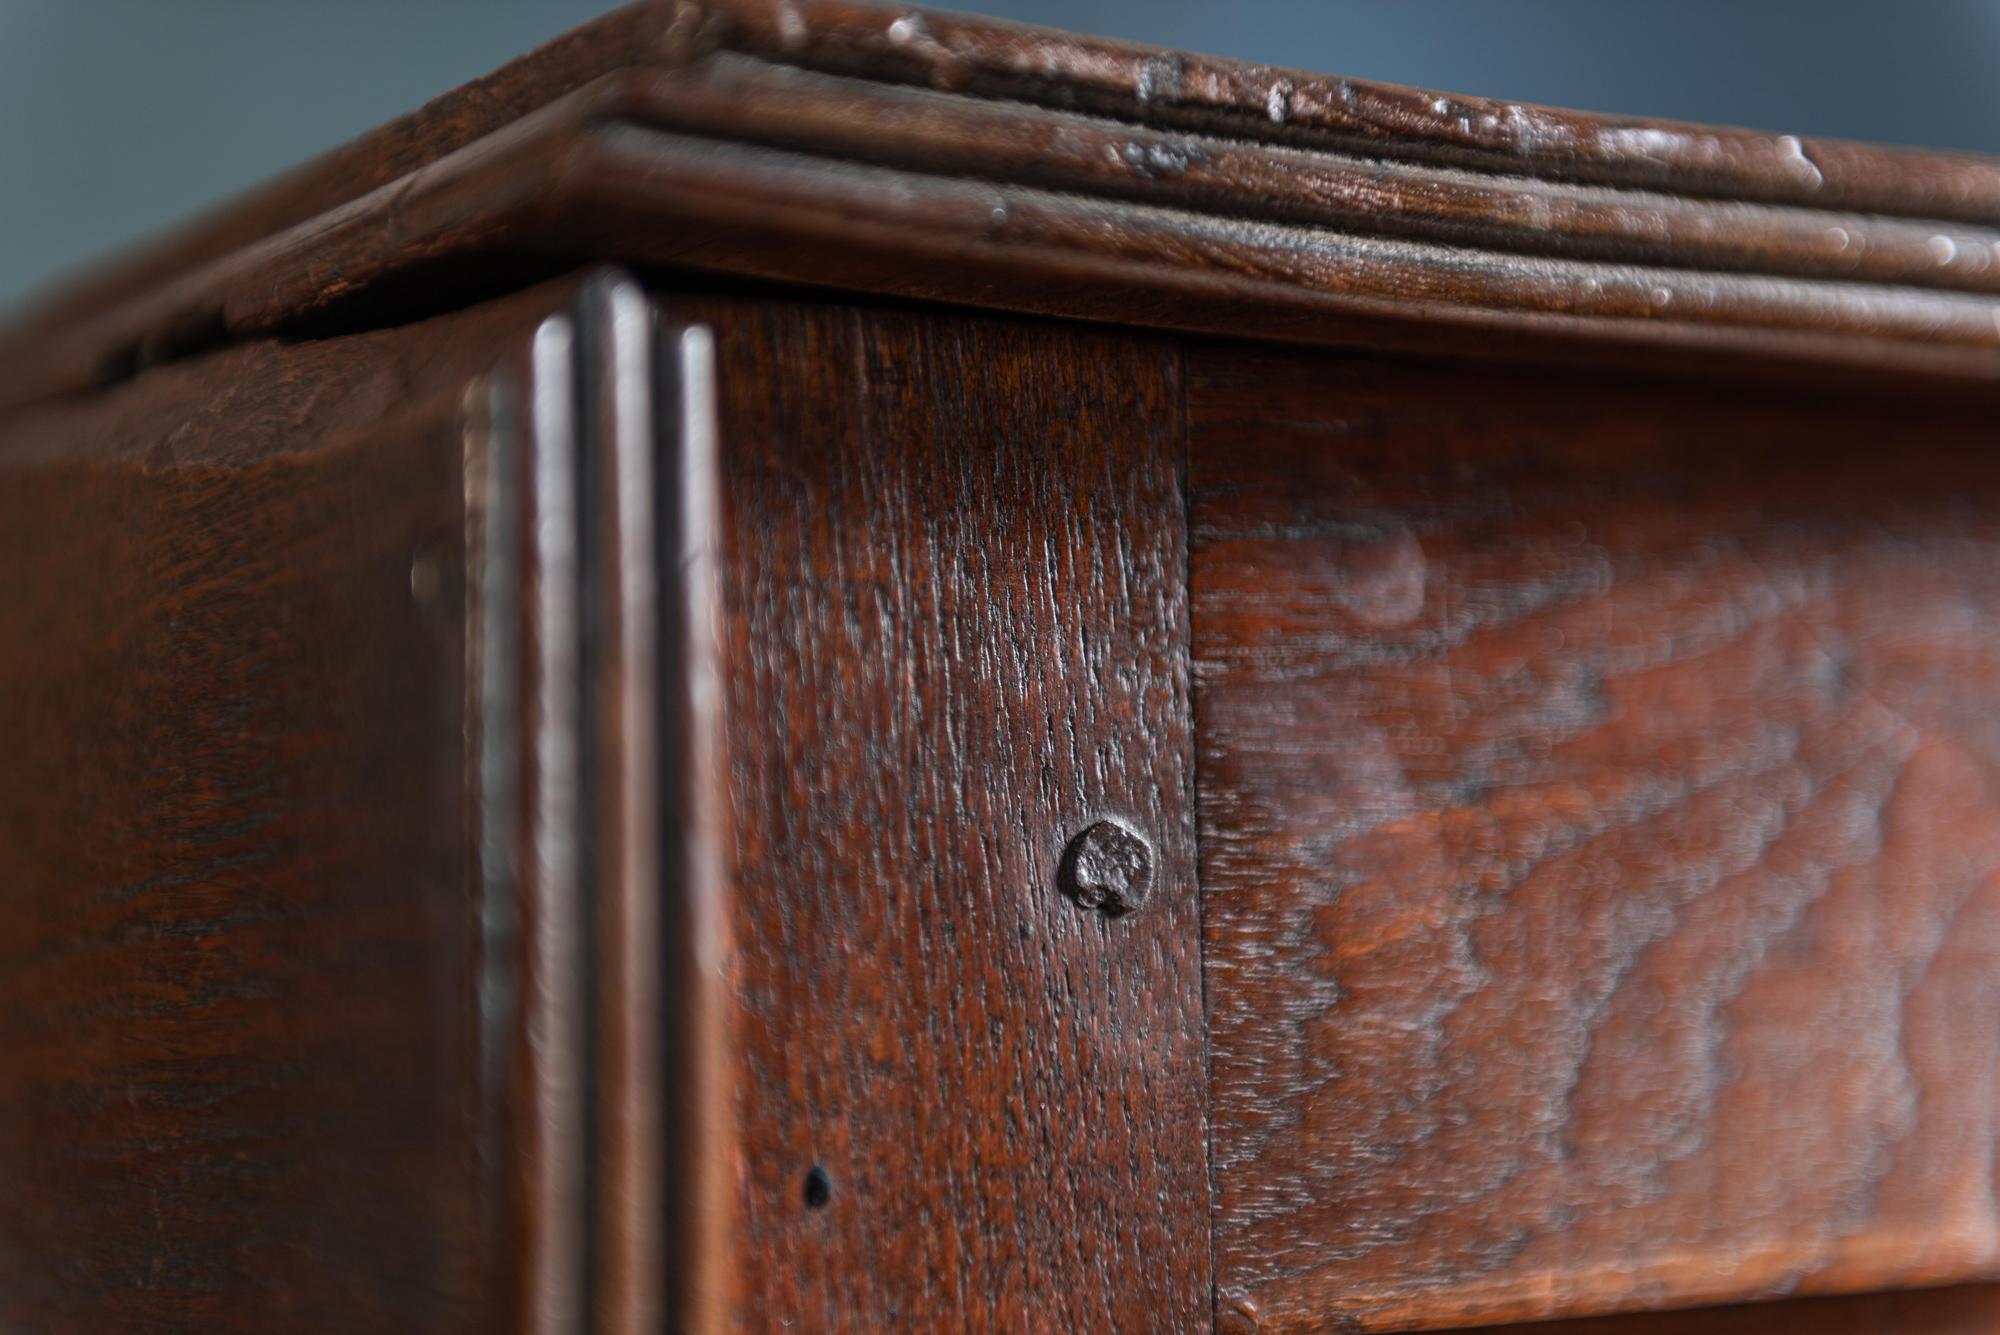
<point x="819" y="1188"/>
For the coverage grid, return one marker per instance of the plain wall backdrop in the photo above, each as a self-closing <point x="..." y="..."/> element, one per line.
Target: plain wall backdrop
<point x="120" y="116"/>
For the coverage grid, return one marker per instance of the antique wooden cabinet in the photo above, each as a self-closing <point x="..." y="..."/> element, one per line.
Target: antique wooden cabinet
<point x="808" y="667"/>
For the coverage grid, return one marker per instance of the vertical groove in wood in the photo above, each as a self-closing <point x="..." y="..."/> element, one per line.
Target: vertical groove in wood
<point x="700" y="1160"/>
<point x="955" y="629"/>
<point x="624" y="688"/>
<point x="552" y="1132"/>
<point x="663" y="1161"/>
<point x="1187" y="497"/>
<point x="621" y="1137"/>
<point x="491" y="438"/>
<point x="341" y="758"/>
<point x="238" y="1038"/>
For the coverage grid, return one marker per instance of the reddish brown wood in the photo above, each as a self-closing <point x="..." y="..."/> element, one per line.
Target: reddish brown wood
<point x="1127" y="81"/>
<point x="1967" y="1310"/>
<point x="1602" y="898"/>
<point x="731" y="97"/>
<point x="954" y="636"/>
<point x="536" y="820"/>
<point x="443" y="125"/>
<point x="1124" y="81"/>
<point x="699" y="1156"/>
<point x="624" y="593"/>
<point x="304" y="1023"/>
<point x="240" y="1080"/>
<point x="601" y="821"/>
<point x="1181" y="201"/>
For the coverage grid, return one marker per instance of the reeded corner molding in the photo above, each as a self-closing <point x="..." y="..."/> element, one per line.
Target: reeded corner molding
<point x="600" y="821"/>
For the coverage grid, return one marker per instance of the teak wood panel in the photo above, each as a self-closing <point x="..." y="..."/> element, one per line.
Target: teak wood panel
<point x="955" y="634"/>
<point x="1600" y="830"/>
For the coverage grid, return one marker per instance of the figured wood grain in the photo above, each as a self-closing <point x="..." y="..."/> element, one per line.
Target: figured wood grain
<point x="934" y="156"/>
<point x="1598" y="806"/>
<point x="954" y="634"/>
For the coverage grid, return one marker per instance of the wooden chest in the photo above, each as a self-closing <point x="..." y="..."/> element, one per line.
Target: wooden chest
<point x="805" y="667"/>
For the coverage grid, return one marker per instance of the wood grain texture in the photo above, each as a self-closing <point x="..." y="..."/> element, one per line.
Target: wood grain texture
<point x="740" y="98"/>
<point x="332" y="997"/>
<point x="1119" y="81"/>
<point x="601" y="815"/>
<point x="238" y="1044"/>
<point x="933" y="156"/>
<point x="699" y="1161"/>
<point x="1971" y="1309"/>
<point x="1129" y="81"/>
<point x="1598" y="805"/>
<point x="954" y="634"/>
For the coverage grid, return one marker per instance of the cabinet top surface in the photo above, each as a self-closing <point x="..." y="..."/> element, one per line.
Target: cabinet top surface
<point x="940" y="156"/>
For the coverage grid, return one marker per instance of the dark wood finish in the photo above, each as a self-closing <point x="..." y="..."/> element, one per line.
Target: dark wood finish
<point x="304" y="1024"/>
<point x="600" y="817"/>
<point x="548" y="818"/>
<point x="698" y="1148"/>
<point x="1127" y="81"/>
<point x="1601" y="893"/>
<point x="955" y="635"/>
<point x="745" y="99"/>
<point x="786" y="140"/>
<point x="1123" y="81"/>
<point x="1966" y="1310"/>
<point x="241" y="1056"/>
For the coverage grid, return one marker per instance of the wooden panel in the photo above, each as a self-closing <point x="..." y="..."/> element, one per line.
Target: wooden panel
<point x="236" y="1030"/>
<point x="1967" y="1310"/>
<point x="955" y="630"/>
<point x="330" y="875"/>
<point x="1600" y="819"/>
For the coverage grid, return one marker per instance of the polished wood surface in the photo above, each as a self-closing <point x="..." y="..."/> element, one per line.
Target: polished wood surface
<point x="955" y="633"/>
<point x="1598" y="796"/>
<point x="549" y="800"/>
<point x="595" y="763"/>
<point x="241" y="1074"/>
<point x="1125" y="82"/>
<point x="941" y="157"/>
<point x="1971" y="1309"/>
<point x="328" y="668"/>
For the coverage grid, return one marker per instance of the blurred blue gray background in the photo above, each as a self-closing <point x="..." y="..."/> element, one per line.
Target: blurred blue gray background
<point x="120" y="116"/>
